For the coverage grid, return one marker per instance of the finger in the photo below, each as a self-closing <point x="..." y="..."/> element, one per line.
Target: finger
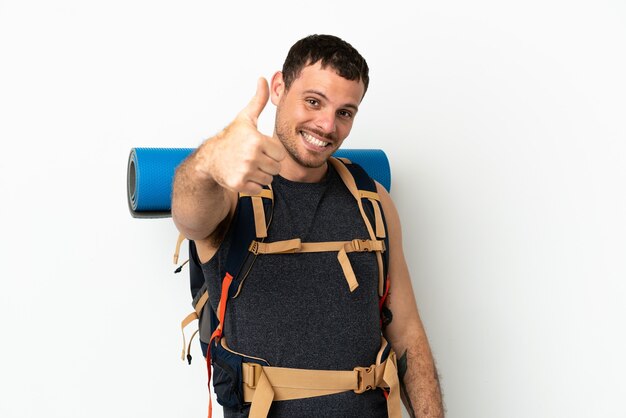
<point x="251" y="188"/>
<point x="258" y="102"/>
<point x="274" y="149"/>
<point x="260" y="178"/>
<point x="269" y="166"/>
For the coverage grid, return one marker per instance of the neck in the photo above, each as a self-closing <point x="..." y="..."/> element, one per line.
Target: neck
<point x="293" y="171"/>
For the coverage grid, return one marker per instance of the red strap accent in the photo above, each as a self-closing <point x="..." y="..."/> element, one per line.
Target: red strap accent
<point x="228" y="279"/>
<point x="208" y="367"/>
<point x="386" y="394"/>
<point x="381" y="302"/>
<point x="217" y="334"/>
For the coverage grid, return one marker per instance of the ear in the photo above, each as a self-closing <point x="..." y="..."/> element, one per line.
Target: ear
<point x="277" y="87"/>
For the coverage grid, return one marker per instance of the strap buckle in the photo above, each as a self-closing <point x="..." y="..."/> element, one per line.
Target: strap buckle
<point x="361" y="245"/>
<point x="365" y="245"/>
<point x="254" y="247"/>
<point x="366" y="378"/>
<point x="252" y="374"/>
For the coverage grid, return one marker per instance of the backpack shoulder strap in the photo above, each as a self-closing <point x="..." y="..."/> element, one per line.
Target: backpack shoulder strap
<point x="251" y="220"/>
<point x="363" y="188"/>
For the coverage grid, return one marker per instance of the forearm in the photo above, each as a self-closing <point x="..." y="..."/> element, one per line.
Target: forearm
<point x="419" y="381"/>
<point x="199" y="203"/>
<point x="239" y="159"/>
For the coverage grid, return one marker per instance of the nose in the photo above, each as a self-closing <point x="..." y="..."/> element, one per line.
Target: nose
<point x="326" y="121"/>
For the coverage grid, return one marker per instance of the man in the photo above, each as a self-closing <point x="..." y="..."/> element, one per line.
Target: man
<point x="295" y="310"/>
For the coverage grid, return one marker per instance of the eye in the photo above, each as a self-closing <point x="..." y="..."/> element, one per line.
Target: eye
<point x="312" y="102"/>
<point x="345" y="114"/>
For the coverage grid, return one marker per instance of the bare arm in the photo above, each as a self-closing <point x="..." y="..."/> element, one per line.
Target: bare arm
<point x="238" y="159"/>
<point x="419" y="381"/>
<point x="199" y="203"/>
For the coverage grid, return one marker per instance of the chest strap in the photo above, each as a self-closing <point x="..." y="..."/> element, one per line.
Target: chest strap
<point x="341" y="247"/>
<point x="265" y="384"/>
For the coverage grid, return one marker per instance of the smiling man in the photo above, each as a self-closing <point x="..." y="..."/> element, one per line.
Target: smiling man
<point x="315" y="114"/>
<point x="303" y="337"/>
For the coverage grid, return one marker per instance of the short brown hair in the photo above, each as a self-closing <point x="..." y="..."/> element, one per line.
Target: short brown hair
<point x="331" y="51"/>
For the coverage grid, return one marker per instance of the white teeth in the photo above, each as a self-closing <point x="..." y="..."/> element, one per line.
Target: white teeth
<point x="313" y="141"/>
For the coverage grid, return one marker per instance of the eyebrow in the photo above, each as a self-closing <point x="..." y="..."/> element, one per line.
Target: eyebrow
<point x="319" y="93"/>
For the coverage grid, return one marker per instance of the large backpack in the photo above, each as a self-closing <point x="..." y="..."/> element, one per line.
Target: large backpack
<point x="240" y="379"/>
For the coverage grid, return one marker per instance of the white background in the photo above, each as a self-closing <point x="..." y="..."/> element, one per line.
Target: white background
<point x="504" y="125"/>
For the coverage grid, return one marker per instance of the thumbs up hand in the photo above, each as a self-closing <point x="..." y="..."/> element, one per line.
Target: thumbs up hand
<point x="241" y="158"/>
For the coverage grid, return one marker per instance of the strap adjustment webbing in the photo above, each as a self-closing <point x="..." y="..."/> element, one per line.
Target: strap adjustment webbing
<point x="189" y="319"/>
<point x="179" y="242"/>
<point x="378" y="217"/>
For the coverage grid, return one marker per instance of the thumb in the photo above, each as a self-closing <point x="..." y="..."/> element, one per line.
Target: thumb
<point x="258" y="102"/>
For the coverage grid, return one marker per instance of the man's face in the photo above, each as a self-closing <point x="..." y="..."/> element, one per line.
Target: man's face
<point x="316" y="114"/>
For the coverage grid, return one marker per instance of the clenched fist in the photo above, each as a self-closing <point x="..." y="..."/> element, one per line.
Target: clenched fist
<point x="241" y="158"/>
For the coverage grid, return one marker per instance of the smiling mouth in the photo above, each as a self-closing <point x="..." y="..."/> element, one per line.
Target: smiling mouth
<point x="313" y="141"/>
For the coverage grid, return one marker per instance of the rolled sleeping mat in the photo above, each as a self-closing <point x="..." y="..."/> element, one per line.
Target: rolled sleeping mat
<point x="151" y="172"/>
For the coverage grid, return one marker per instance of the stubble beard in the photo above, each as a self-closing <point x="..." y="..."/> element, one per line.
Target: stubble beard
<point x="289" y="138"/>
